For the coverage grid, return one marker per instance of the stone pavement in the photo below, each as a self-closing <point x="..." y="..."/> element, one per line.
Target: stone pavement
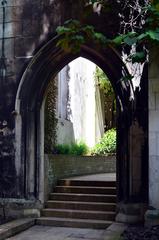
<point x="59" y="233"/>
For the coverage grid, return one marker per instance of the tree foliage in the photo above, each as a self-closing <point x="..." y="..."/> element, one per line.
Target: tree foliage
<point x="103" y="82"/>
<point x="108" y="95"/>
<point x="73" y="34"/>
<point x="139" y="26"/>
<point x="107" y="144"/>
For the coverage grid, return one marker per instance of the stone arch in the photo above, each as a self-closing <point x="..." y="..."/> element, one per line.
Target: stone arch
<point x="48" y="61"/>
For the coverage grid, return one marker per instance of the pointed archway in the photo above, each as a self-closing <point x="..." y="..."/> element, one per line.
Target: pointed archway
<point x="48" y="61"/>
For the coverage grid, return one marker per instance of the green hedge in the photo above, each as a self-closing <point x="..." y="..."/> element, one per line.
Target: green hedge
<point x="76" y="149"/>
<point x="107" y="144"/>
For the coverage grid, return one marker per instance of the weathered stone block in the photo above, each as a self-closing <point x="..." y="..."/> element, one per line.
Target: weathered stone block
<point x="12" y="3"/>
<point x="153" y="187"/>
<point x="154" y="84"/>
<point x="153" y="120"/>
<point x="152" y="143"/>
<point x="12" y="29"/>
<point x="152" y="217"/>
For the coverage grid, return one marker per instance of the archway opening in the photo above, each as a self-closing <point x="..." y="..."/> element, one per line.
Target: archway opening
<point x="80" y="106"/>
<point x="80" y="120"/>
<point x="30" y="118"/>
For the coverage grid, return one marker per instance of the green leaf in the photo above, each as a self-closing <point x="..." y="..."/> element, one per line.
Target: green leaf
<point x="118" y="40"/>
<point x="127" y="77"/>
<point x="130" y="40"/>
<point x="142" y="36"/>
<point x="61" y="30"/>
<point x="89" y="30"/>
<point x="78" y="38"/>
<point x="154" y="35"/>
<point x="100" y="37"/>
<point x="138" y="57"/>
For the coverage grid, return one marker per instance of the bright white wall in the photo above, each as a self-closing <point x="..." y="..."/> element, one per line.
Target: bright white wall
<point x="86" y="118"/>
<point x="82" y="94"/>
<point x="65" y="133"/>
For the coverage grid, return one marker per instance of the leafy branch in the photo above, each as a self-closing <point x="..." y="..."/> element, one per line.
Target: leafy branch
<point x="140" y="29"/>
<point x="73" y="35"/>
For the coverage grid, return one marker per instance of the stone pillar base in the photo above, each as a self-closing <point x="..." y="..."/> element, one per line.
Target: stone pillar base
<point x="152" y="217"/>
<point x="18" y="208"/>
<point x="130" y="213"/>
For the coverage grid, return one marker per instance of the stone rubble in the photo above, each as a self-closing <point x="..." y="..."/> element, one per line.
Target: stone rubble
<point x="141" y="233"/>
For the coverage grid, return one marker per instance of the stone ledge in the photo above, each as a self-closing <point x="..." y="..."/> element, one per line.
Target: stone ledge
<point x="9" y="229"/>
<point x="114" y="231"/>
<point x="152" y="217"/>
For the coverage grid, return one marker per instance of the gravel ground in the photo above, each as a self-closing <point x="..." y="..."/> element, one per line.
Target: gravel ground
<point x="141" y="233"/>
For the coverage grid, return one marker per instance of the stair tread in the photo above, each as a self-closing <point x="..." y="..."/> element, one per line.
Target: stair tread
<point x="84" y="180"/>
<point x="76" y="211"/>
<point x="80" y="202"/>
<point x="63" y="186"/>
<point x="68" y="181"/>
<point x="84" y="194"/>
<point x="74" y="220"/>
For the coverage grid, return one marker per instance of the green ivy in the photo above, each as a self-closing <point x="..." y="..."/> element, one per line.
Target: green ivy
<point x="50" y="117"/>
<point x="103" y="82"/>
<point x="73" y="35"/>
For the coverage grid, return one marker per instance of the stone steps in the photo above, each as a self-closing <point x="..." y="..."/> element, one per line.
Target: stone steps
<point x="76" y="223"/>
<point x="72" y="182"/>
<point x="85" y="189"/>
<point x="80" y="203"/>
<point x="78" y="214"/>
<point x="83" y="197"/>
<point x="74" y="205"/>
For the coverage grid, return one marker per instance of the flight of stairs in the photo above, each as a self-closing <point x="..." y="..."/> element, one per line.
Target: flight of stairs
<point x="81" y="204"/>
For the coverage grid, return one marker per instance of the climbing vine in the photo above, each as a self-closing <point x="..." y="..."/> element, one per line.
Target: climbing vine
<point x="103" y="82"/>
<point x="50" y="116"/>
<point x="107" y="93"/>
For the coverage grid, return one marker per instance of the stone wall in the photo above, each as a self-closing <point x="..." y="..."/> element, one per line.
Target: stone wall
<point x="29" y="25"/>
<point x="154" y="129"/>
<point x="62" y="166"/>
<point x="65" y="133"/>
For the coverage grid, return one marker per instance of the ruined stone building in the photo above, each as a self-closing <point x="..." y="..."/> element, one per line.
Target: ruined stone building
<point x="29" y="59"/>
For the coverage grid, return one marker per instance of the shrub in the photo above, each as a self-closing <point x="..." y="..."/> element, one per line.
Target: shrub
<point x="107" y="144"/>
<point x="76" y="149"/>
<point x="61" y="149"/>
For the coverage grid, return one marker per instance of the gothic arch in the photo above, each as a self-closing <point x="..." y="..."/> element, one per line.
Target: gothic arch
<point x="47" y="62"/>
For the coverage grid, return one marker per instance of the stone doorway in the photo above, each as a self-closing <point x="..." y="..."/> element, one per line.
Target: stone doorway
<point x="30" y="120"/>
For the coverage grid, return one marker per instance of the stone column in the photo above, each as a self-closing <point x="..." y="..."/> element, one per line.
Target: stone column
<point x="154" y="130"/>
<point x="152" y="216"/>
<point x="132" y="164"/>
